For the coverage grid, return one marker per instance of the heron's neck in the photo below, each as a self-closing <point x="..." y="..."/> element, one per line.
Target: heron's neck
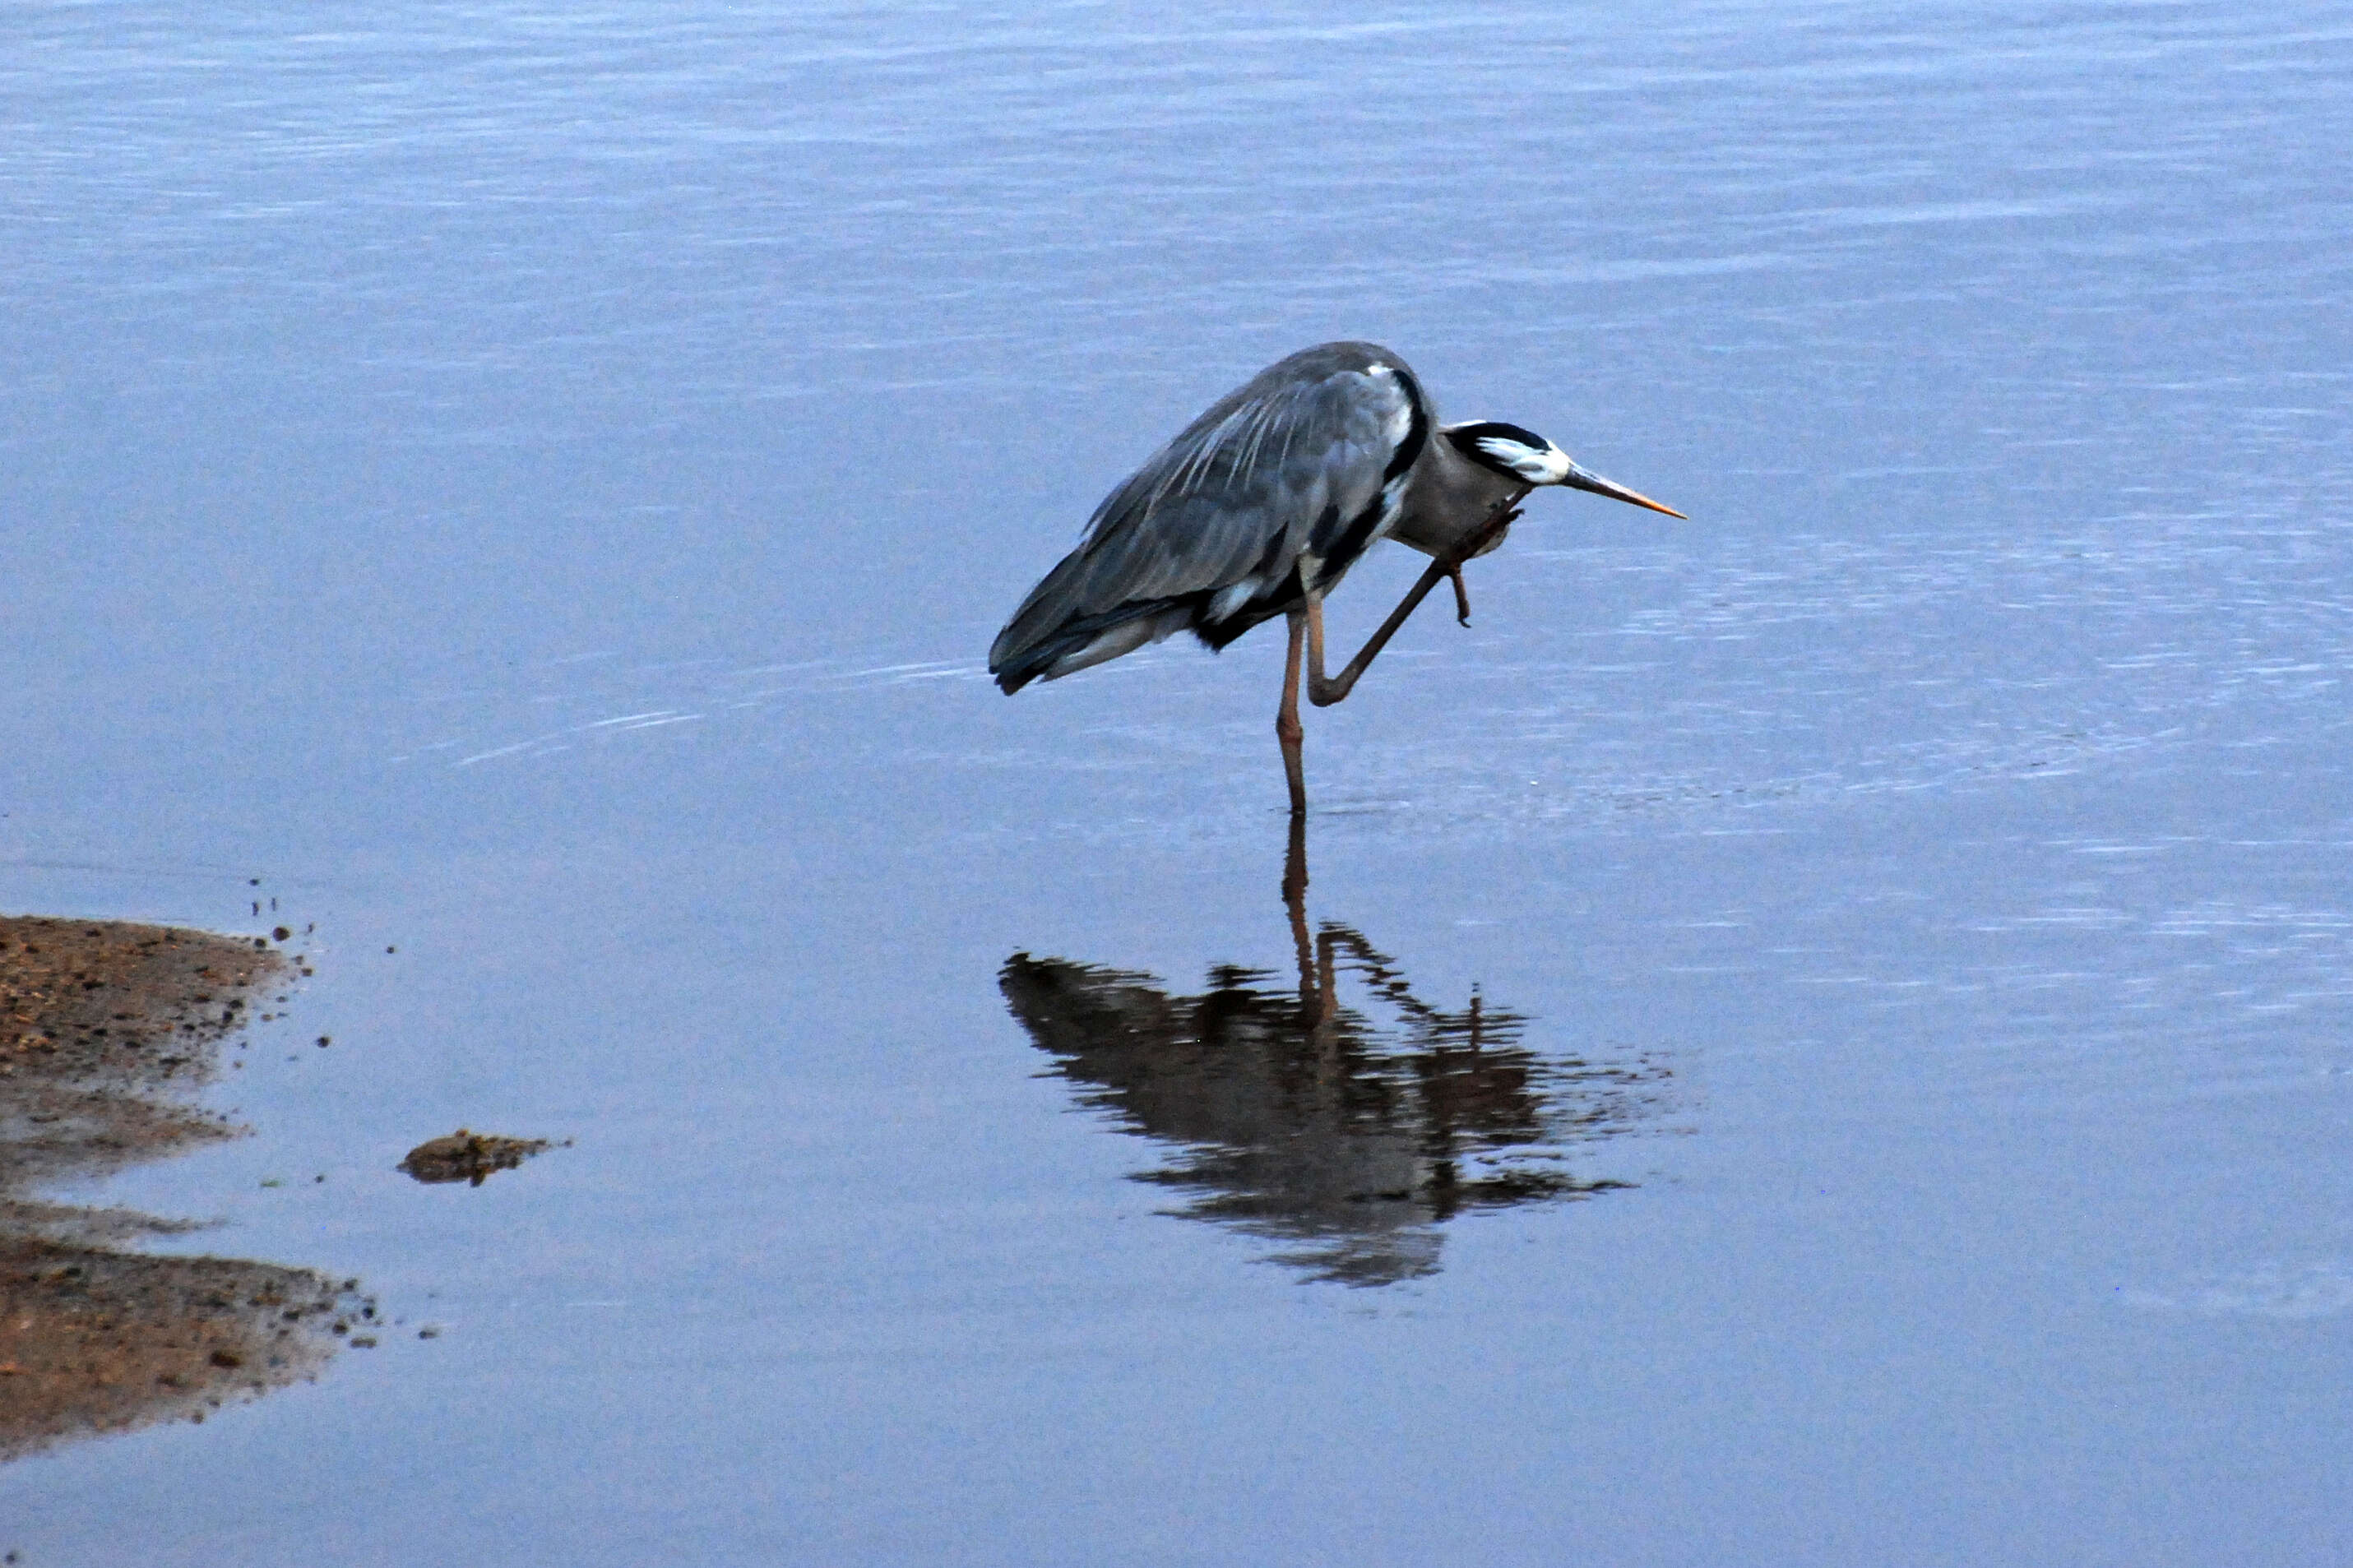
<point x="1449" y="492"/>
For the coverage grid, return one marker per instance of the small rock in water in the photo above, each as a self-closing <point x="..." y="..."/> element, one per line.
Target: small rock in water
<point x="469" y="1157"/>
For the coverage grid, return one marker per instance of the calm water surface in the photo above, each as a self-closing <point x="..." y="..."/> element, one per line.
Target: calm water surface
<point x="1817" y="1035"/>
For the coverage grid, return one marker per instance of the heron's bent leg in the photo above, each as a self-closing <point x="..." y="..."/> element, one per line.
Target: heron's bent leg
<point x="1286" y="723"/>
<point x="1462" y="598"/>
<point x="1324" y="691"/>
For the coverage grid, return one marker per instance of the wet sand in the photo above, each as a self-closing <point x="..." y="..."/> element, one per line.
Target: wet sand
<point x="108" y="1031"/>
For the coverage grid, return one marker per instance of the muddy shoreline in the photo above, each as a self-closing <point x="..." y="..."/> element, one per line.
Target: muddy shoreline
<point x="109" y="1031"/>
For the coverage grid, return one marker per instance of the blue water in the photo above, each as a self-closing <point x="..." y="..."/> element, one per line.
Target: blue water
<point x="536" y="488"/>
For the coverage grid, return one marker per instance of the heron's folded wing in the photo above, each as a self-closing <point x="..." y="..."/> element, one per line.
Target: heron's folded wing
<point x="1265" y="473"/>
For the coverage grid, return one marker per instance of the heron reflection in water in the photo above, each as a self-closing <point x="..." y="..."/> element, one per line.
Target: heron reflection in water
<point x="1297" y="1116"/>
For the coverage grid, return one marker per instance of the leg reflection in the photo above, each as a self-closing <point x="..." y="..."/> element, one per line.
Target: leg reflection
<point x="1347" y="1121"/>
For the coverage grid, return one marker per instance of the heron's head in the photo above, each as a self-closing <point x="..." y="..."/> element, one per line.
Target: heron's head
<point x="1521" y="454"/>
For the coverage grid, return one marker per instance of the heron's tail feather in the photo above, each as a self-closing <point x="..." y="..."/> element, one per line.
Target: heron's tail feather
<point x="1022" y="655"/>
<point x="1099" y="603"/>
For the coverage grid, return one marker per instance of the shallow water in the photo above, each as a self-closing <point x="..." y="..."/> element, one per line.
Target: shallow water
<point x="533" y="488"/>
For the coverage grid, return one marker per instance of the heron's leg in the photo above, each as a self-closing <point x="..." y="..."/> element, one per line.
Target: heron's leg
<point x="1287" y="732"/>
<point x="1324" y="691"/>
<point x="1461" y="599"/>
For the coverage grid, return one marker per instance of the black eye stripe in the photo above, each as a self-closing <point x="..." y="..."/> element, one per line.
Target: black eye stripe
<point x="1467" y="440"/>
<point x="1495" y="429"/>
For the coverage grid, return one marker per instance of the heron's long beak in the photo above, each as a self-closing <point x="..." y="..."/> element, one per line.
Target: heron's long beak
<point x="1587" y="479"/>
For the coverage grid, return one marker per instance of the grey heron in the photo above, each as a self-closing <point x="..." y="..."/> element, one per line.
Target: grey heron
<point x="1261" y="506"/>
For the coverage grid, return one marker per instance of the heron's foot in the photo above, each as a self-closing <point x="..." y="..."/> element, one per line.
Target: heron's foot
<point x="1490" y="536"/>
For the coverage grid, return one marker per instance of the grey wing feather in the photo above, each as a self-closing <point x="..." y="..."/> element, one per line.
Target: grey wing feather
<point x="1218" y="519"/>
